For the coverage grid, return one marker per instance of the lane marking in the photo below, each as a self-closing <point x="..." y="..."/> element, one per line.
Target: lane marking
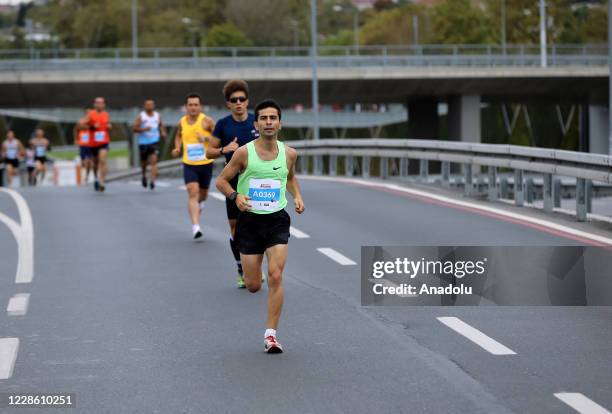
<point x="581" y="403"/>
<point x="217" y="195"/>
<point x="18" y="304"/>
<point x="298" y="234"/>
<point x="24" y="235"/>
<point x="335" y="256"/>
<point x="539" y="224"/>
<point x="8" y="356"/>
<point x="474" y="335"/>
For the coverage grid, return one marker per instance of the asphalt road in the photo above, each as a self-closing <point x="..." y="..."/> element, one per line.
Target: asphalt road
<point x="131" y="315"/>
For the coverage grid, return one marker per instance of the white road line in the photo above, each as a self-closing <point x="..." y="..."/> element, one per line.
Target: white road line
<point x="298" y="234"/>
<point x="217" y="195"/>
<point x="581" y="403"/>
<point x="8" y="356"/>
<point x="335" y="256"/>
<point x="474" y="335"/>
<point x="24" y="235"/>
<point x="527" y="220"/>
<point x="18" y="304"/>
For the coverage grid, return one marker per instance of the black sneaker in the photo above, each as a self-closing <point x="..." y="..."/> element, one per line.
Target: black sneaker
<point x="102" y="188"/>
<point x="96" y="185"/>
<point x="144" y="181"/>
<point x="152" y="185"/>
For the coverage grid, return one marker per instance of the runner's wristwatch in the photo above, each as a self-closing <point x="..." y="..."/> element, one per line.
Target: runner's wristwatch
<point x="232" y="196"/>
<point x="221" y="151"/>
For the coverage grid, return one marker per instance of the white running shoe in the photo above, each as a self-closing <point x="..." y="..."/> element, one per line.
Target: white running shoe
<point x="271" y="346"/>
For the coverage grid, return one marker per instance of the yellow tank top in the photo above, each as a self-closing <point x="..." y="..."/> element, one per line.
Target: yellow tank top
<point x="194" y="150"/>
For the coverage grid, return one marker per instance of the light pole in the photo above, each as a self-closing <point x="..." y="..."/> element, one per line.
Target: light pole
<point x="543" y="62"/>
<point x="134" y="29"/>
<point x="313" y="63"/>
<point x="610" y="77"/>
<point x="415" y="29"/>
<point x="503" y="26"/>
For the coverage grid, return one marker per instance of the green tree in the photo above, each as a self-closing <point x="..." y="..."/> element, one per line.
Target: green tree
<point x="393" y="26"/>
<point x="226" y="34"/>
<point x="460" y="22"/>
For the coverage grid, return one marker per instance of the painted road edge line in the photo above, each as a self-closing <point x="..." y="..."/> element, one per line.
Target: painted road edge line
<point x="298" y="234"/>
<point x="487" y="343"/>
<point x="24" y="235"/>
<point x="336" y="256"/>
<point x="544" y="224"/>
<point x="8" y="355"/>
<point x="581" y="403"/>
<point x="18" y="304"/>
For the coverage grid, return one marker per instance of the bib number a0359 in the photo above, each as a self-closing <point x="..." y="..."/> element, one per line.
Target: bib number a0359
<point x="196" y="152"/>
<point x="264" y="194"/>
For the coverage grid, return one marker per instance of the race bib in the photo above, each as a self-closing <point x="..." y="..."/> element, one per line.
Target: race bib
<point x="264" y="194"/>
<point x="196" y="152"/>
<point x="85" y="138"/>
<point x="100" y="136"/>
<point x="40" y="151"/>
<point x="11" y="153"/>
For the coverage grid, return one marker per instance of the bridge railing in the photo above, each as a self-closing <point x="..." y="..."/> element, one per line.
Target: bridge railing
<point x="323" y="156"/>
<point x="334" y="56"/>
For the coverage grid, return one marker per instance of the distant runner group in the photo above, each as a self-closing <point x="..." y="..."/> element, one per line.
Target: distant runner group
<point x="259" y="171"/>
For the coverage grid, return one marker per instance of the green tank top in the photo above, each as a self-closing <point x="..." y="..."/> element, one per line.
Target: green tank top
<point x="265" y="182"/>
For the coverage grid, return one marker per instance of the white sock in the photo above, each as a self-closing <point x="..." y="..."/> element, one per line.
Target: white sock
<point x="195" y="228"/>
<point x="270" y="332"/>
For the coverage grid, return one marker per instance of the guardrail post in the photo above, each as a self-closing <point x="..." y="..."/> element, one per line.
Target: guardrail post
<point x="529" y="190"/>
<point x="581" y="196"/>
<point x="503" y="188"/>
<point x="318" y="165"/>
<point x="468" y="188"/>
<point x="303" y="164"/>
<point x="365" y="167"/>
<point x="557" y="192"/>
<point x="445" y="170"/>
<point x="423" y="170"/>
<point x="333" y="162"/>
<point x="404" y="167"/>
<point x="589" y="195"/>
<point x="519" y="188"/>
<point x="349" y="165"/>
<point x="548" y="193"/>
<point x="384" y="167"/>
<point x="492" y="183"/>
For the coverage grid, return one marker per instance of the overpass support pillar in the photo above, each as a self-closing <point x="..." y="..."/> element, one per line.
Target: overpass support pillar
<point x="333" y="163"/>
<point x="423" y="118"/>
<point x="464" y="118"/>
<point x="404" y="167"/>
<point x="598" y="130"/>
<point x="445" y="173"/>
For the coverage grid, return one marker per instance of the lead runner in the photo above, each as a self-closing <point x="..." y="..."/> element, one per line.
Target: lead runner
<point x="267" y="171"/>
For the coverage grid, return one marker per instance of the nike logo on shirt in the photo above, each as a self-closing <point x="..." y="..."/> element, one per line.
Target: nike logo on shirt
<point x="275" y="168"/>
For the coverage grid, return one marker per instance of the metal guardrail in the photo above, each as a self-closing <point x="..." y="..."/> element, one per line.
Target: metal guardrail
<point x="298" y="57"/>
<point x="549" y="162"/>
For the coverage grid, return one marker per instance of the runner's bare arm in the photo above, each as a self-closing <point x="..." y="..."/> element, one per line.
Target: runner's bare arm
<point x="293" y="186"/>
<point x="236" y="164"/>
<point x="176" y="151"/>
<point x="208" y="124"/>
<point x="162" y="129"/>
<point x="136" y="125"/>
<point x="214" y="148"/>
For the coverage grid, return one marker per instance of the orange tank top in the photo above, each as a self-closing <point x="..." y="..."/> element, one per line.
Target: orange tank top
<point x="98" y="122"/>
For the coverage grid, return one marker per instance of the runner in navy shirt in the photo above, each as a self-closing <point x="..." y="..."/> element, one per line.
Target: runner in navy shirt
<point x="231" y="132"/>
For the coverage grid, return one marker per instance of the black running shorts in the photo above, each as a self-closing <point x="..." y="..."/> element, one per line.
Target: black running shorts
<point x="257" y="232"/>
